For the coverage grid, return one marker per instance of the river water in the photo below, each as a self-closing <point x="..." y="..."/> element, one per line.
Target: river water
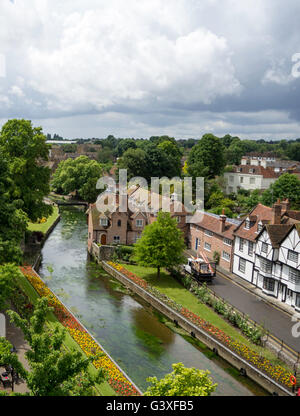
<point x="123" y="324"/>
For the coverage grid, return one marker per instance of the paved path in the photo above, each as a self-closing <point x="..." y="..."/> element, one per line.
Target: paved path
<point x="15" y="336"/>
<point x="278" y="322"/>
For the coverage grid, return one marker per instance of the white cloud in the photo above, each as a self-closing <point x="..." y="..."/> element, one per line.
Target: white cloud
<point x="108" y="57"/>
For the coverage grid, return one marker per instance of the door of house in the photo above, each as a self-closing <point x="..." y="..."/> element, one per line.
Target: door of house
<point x="282" y="293"/>
<point x="103" y="239"/>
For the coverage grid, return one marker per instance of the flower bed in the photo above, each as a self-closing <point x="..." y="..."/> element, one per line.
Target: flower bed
<point x="278" y="373"/>
<point x="116" y="379"/>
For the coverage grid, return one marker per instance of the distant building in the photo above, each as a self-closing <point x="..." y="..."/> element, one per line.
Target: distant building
<point x="249" y="177"/>
<point x="269" y="160"/>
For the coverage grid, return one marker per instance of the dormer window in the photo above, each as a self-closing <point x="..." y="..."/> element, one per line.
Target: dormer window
<point x="247" y="224"/>
<point x="140" y="223"/>
<point x="259" y="227"/>
<point x="251" y="170"/>
<point x="103" y="222"/>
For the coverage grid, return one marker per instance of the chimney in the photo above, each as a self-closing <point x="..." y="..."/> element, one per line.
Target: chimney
<point x="222" y="221"/>
<point x="285" y="205"/>
<point x="277" y="212"/>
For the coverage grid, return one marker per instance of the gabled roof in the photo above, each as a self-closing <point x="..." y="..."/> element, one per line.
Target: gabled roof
<point x="213" y="222"/>
<point x="263" y="214"/>
<point x="277" y="233"/>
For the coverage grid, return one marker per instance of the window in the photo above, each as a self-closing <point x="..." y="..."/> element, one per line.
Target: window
<point x="242" y="265"/>
<point x="294" y="276"/>
<point x="103" y="222"/>
<point x="227" y="242"/>
<point x="226" y="256"/>
<point x="265" y="266"/>
<point x="259" y="228"/>
<point x="231" y="178"/>
<point x="139" y="223"/>
<point x="241" y="248"/>
<point x="250" y="248"/>
<point x="242" y="179"/>
<point x="247" y="225"/>
<point x="252" y="181"/>
<point x="197" y="244"/>
<point x="264" y="247"/>
<point x="208" y="233"/>
<point x="293" y="256"/>
<point x="269" y="284"/>
<point x="298" y="301"/>
<point x="178" y="219"/>
<point x="90" y="234"/>
<point x="207" y="247"/>
<point x="116" y="239"/>
<point x="119" y="223"/>
<point x="251" y="170"/>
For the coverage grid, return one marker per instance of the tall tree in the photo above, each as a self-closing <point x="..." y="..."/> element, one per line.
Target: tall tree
<point x="81" y="175"/>
<point x="286" y="186"/>
<point x="182" y="382"/>
<point x="207" y="157"/>
<point x="13" y="220"/>
<point x="161" y="244"/>
<point x="24" y="147"/>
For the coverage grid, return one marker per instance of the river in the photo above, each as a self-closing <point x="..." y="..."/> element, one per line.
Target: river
<point x="126" y="327"/>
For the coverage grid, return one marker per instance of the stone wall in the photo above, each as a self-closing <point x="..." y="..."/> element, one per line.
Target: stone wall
<point x="235" y="360"/>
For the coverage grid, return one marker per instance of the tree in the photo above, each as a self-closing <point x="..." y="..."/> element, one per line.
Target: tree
<point x="134" y="160"/>
<point x="54" y="372"/>
<point x="24" y="147"/>
<point x="161" y="244"/>
<point x="81" y="175"/>
<point x="8" y="273"/>
<point x="13" y="221"/>
<point x="105" y="155"/>
<point x="207" y="157"/>
<point x="286" y="186"/>
<point x="182" y="382"/>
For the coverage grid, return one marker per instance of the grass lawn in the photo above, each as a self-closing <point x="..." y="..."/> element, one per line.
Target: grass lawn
<point x="174" y="290"/>
<point x="103" y="389"/>
<point x="45" y="227"/>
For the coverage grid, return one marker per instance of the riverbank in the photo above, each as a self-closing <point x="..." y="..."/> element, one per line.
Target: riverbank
<point x="274" y="379"/>
<point x="117" y="379"/>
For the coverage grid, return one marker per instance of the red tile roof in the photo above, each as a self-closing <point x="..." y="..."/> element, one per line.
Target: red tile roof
<point x="259" y="213"/>
<point x="213" y="224"/>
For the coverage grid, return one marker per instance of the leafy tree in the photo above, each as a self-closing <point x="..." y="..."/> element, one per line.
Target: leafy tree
<point x="8" y="273"/>
<point x="207" y="157"/>
<point x="286" y="186"/>
<point x="54" y="372"/>
<point x="105" y="155"/>
<point x="182" y="382"/>
<point x="24" y="147"/>
<point x="124" y="145"/>
<point x="161" y="244"/>
<point x="81" y="175"/>
<point x="134" y="160"/>
<point x="13" y="221"/>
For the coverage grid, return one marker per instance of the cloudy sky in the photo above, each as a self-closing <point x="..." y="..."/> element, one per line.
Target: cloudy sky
<point x="137" y="68"/>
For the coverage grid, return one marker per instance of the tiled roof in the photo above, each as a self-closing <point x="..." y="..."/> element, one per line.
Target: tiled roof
<point x="277" y="233"/>
<point x="213" y="223"/>
<point x="267" y="173"/>
<point x="263" y="214"/>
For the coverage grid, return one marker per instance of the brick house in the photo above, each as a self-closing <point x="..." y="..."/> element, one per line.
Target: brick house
<point x="213" y="233"/>
<point x="127" y="227"/>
